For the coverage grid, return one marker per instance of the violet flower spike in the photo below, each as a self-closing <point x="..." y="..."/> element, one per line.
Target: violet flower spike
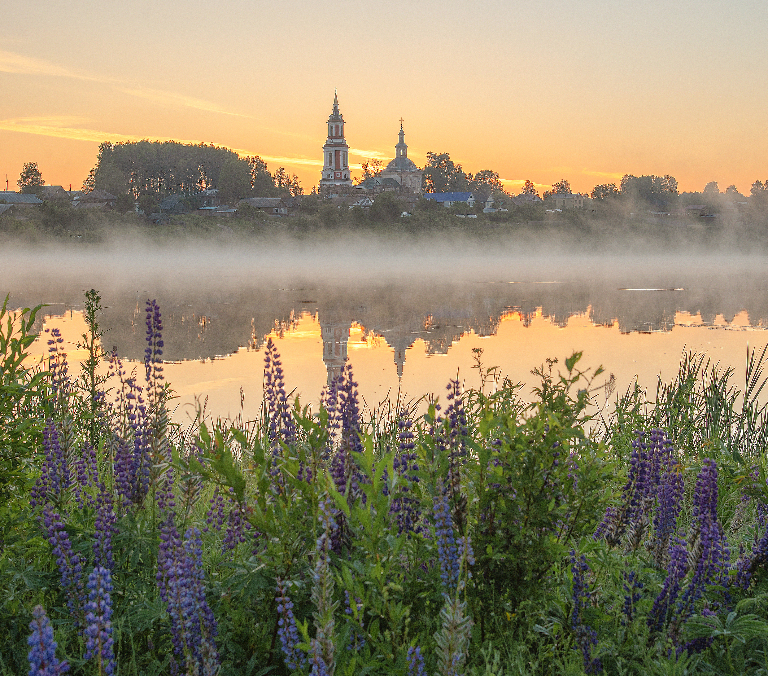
<point x="42" y="647"/>
<point x="98" y="630"/>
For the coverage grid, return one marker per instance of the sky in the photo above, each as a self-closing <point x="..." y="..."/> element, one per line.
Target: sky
<point x="585" y="90"/>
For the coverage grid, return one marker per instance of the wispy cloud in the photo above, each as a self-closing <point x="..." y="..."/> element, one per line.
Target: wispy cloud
<point x="603" y="174"/>
<point x="67" y="128"/>
<point x="18" y="64"/>
<point x="171" y="98"/>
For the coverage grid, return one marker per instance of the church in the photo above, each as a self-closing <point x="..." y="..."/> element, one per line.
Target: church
<point x="401" y="174"/>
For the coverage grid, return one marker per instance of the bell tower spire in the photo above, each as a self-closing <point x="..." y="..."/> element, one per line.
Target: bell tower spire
<point x="335" y="151"/>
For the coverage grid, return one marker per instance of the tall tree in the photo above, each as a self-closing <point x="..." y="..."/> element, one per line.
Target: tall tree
<point x="262" y="181"/>
<point x="370" y="169"/>
<point x="604" y="190"/>
<point x="486" y="181"/>
<point x="442" y="175"/>
<point x="712" y="188"/>
<point x="30" y="179"/>
<point x="234" y="180"/>
<point x="529" y="188"/>
<point x="561" y="187"/>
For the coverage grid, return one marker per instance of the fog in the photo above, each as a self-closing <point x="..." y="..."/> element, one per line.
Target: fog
<point x="216" y="297"/>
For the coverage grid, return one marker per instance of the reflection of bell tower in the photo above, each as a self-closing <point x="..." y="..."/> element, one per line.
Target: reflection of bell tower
<point x="335" y="338"/>
<point x="335" y="151"/>
<point x="400" y="345"/>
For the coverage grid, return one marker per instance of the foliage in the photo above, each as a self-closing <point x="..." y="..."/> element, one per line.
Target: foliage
<point x="30" y="179"/>
<point x="485" y="536"/>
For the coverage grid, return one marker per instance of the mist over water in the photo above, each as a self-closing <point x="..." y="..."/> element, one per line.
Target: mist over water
<point x="414" y="298"/>
<point x="241" y="291"/>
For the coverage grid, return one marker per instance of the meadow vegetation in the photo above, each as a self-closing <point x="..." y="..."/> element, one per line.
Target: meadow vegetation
<point x="485" y="536"/>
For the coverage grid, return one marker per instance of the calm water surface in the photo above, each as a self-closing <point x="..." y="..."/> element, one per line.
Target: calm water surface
<point x="407" y="320"/>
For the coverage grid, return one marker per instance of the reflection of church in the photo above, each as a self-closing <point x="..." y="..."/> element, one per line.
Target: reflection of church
<point x="335" y="338"/>
<point x="401" y="174"/>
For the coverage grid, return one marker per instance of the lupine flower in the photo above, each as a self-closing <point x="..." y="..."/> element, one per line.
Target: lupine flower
<point x="42" y="647"/>
<point x="323" y="651"/>
<point x="287" y="631"/>
<point x="404" y="507"/>
<point x="416" y="662"/>
<point x="58" y="367"/>
<point x="676" y="571"/>
<point x="98" y="618"/>
<point x="69" y="563"/>
<point x="282" y="427"/>
<point x="237" y="525"/>
<point x="54" y="477"/>
<point x="632" y="595"/>
<point x="153" y="354"/>
<point x="652" y="463"/>
<point x="447" y="549"/>
<point x="457" y="437"/>
<point x="87" y="473"/>
<point x="586" y="637"/>
<point x="343" y="468"/>
<point x="319" y="666"/>
<point x="104" y="528"/>
<point x="670" y="500"/>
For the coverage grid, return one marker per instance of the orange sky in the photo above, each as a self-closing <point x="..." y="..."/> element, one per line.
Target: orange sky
<point x="584" y="90"/>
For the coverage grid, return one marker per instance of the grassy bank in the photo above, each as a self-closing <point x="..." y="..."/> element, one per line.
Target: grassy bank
<point x="488" y="536"/>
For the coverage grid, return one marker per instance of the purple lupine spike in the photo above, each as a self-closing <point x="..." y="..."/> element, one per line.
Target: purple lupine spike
<point x="201" y="622"/>
<point x="287" y="630"/>
<point x="57" y="365"/>
<point x="104" y="528"/>
<point x="153" y="354"/>
<point x="54" y="479"/>
<point x="586" y="637"/>
<point x="676" y="572"/>
<point x="319" y="667"/>
<point x="322" y="654"/>
<point x="237" y="524"/>
<point x="214" y="517"/>
<point x="447" y="548"/>
<point x="69" y="563"/>
<point x="343" y="467"/>
<point x="404" y="507"/>
<point x="415" y="662"/>
<point x="457" y="436"/>
<point x="632" y="595"/>
<point x="98" y="618"/>
<point x="282" y="427"/>
<point x="42" y="647"/>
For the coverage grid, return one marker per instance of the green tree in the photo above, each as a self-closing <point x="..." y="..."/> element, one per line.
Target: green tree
<point x="487" y="181"/>
<point x="442" y="175"/>
<point x="561" y="187"/>
<point x="235" y="180"/>
<point x="386" y="208"/>
<point x="657" y="191"/>
<point x="30" y="179"/>
<point x="371" y="169"/>
<point x="529" y="188"/>
<point x="711" y="188"/>
<point x="604" y="190"/>
<point x="262" y="181"/>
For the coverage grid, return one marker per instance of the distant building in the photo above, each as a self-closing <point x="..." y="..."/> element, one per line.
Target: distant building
<point x="401" y="169"/>
<point x="335" y="154"/>
<point x="561" y="201"/>
<point x="448" y="199"/>
<point x="276" y="206"/>
<point x="19" y="199"/>
<point x="96" y="199"/>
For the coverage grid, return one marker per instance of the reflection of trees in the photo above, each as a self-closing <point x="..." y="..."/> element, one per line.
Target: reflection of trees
<point x="211" y="317"/>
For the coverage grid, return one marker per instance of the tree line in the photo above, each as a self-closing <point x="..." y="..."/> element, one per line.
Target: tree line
<point x="154" y="169"/>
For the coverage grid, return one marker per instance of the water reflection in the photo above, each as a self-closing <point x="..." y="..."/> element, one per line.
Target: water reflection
<point x="211" y="310"/>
